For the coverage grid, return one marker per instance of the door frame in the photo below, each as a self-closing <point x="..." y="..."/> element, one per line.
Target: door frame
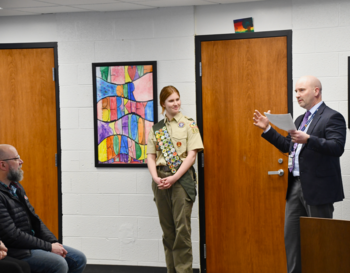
<point x="199" y="104"/>
<point x="52" y="45"/>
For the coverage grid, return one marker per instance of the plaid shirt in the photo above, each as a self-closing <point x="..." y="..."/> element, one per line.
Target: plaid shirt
<point x="12" y="188"/>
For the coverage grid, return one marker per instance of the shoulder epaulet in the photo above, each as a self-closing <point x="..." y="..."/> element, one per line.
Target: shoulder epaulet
<point x="189" y="118"/>
<point x="158" y="125"/>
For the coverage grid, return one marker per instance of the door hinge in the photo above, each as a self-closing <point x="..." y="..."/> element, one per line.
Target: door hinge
<point x="53" y="74"/>
<point x="200" y="69"/>
<point x="56" y="160"/>
<point x="202" y="160"/>
<point x="205" y="251"/>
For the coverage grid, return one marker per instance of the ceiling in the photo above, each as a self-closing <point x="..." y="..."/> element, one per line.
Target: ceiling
<point x="37" y="7"/>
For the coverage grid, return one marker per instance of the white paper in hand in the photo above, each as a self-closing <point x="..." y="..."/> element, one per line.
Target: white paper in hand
<point x="282" y="121"/>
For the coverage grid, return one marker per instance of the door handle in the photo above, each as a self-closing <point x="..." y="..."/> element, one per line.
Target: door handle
<point x="279" y="172"/>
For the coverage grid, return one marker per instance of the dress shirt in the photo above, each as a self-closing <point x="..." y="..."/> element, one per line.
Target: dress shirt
<point x="297" y="152"/>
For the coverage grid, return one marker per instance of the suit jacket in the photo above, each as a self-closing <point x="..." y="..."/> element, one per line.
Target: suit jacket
<point x="319" y="163"/>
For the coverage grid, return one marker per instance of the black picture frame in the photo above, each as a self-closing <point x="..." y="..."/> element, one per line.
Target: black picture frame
<point x="125" y="109"/>
<point x="349" y="92"/>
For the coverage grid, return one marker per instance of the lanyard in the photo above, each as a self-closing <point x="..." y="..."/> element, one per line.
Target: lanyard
<point x="304" y="127"/>
<point x="309" y="121"/>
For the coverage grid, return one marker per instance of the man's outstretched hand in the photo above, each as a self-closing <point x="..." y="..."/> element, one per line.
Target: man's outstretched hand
<point x="260" y="120"/>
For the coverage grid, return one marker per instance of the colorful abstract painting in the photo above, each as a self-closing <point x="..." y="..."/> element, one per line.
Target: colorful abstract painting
<point x="244" y="25"/>
<point x="125" y="109"/>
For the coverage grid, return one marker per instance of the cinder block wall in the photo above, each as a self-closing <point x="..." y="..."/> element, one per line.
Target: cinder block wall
<point x="109" y="213"/>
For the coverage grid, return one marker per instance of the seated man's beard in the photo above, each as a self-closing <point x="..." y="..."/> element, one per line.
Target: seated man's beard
<point x="15" y="175"/>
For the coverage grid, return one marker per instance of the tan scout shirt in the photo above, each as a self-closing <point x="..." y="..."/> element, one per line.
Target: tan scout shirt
<point x="184" y="135"/>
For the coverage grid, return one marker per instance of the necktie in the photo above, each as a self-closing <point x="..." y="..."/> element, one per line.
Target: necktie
<point x="306" y="117"/>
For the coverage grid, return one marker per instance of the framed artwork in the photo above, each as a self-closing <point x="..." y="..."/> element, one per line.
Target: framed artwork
<point x="243" y="25"/>
<point x="125" y="109"/>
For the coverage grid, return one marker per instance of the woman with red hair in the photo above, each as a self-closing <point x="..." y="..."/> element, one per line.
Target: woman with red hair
<point x="173" y="144"/>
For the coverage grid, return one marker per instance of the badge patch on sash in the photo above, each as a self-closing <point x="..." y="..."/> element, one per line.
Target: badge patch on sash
<point x="168" y="150"/>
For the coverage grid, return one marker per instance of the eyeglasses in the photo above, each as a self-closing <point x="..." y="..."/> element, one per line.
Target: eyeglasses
<point x="15" y="158"/>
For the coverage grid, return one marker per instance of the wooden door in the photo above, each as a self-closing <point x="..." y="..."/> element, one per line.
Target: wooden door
<point x="28" y="122"/>
<point x="244" y="206"/>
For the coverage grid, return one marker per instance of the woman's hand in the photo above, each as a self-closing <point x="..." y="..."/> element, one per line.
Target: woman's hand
<point x="157" y="180"/>
<point x="167" y="182"/>
<point x="3" y="254"/>
<point x="3" y="250"/>
<point x="3" y="247"/>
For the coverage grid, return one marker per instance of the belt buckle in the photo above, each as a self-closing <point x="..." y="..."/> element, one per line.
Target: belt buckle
<point x="164" y="168"/>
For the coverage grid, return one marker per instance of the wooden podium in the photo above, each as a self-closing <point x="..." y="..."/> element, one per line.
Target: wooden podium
<point x="325" y="245"/>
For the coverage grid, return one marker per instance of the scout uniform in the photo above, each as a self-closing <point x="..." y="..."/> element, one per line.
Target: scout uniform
<point x="171" y="141"/>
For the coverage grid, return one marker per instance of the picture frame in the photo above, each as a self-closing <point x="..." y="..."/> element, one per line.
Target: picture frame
<point x="125" y="109"/>
<point x="349" y="92"/>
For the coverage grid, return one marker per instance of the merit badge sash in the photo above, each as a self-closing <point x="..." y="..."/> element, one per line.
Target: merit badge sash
<point x="166" y="146"/>
<point x="173" y="160"/>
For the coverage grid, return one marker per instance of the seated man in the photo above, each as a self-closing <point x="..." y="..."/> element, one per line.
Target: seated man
<point x="25" y="235"/>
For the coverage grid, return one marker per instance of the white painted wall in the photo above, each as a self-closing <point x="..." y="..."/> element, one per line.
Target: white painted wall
<point x="115" y="222"/>
<point x="109" y="213"/>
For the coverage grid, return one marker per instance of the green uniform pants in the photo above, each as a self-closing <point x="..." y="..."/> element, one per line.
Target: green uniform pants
<point x="174" y="210"/>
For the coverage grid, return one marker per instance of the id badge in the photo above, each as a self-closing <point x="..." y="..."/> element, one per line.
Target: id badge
<point x="290" y="161"/>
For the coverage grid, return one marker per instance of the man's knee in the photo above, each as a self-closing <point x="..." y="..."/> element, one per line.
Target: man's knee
<point x="60" y="266"/>
<point x="82" y="260"/>
<point x="76" y="259"/>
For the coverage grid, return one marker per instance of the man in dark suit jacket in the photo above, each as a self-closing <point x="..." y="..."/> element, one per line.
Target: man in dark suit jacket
<point x="314" y="180"/>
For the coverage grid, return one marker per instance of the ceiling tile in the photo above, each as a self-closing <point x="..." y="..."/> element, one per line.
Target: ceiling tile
<point x="12" y="4"/>
<point x="233" y="1"/>
<point x="113" y="7"/>
<point x="57" y="9"/>
<point x="173" y="3"/>
<point x="77" y="2"/>
<point x="24" y="7"/>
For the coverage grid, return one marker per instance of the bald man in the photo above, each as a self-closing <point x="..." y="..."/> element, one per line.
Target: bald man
<point x="25" y="235"/>
<point x="314" y="180"/>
